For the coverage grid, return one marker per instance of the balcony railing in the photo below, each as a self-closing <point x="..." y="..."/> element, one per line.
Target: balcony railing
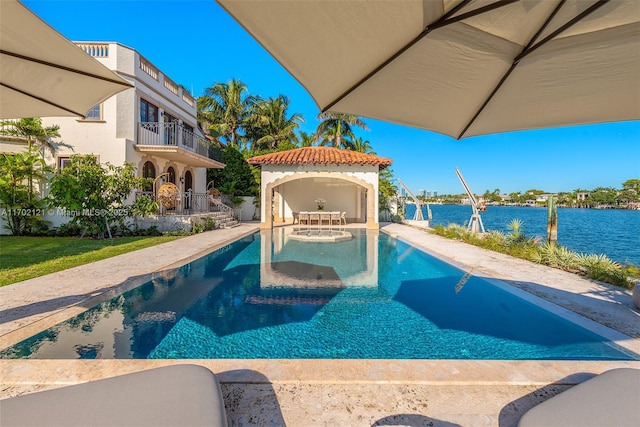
<point x="170" y="84"/>
<point x="148" y="68"/>
<point x="188" y="203"/>
<point x="172" y="134"/>
<point x="97" y="50"/>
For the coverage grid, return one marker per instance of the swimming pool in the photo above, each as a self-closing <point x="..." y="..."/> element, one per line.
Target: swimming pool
<point x="267" y="296"/>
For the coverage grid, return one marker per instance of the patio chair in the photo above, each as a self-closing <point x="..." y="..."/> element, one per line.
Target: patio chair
<point x="336" y="218"/>
<point x="178" y="395"/>
<point x="314" y="216"/>
<point x="303" y="218"/>
<point x="343" y="218"/>
<point x="325" y="217"/>
<point x="296" y="217"/>
<point x="608" y="399"/>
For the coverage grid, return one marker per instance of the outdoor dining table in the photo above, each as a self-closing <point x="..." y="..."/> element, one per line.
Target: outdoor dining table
<point x="319" y="216"/>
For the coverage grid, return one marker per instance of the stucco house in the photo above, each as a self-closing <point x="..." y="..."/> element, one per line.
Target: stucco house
<point x="152" y="125"/>
<point x="297" y="180"/>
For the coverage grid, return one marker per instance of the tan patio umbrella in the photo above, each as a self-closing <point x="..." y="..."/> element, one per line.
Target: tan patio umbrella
<point x="458" y="67"/>
<point x="42" y="74"/>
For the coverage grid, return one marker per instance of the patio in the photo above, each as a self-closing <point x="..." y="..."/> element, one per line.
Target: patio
<point x="328" y="392"/>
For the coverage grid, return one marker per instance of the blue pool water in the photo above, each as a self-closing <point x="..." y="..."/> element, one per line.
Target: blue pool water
<point x="266" y="296"/>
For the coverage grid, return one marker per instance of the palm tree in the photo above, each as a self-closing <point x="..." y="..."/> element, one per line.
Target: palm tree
<point x="360" y="145"/>
<point x="224" y="110"/>
<point x="32" y="130"/>
<point x="270" y="124"/>
<point x="306" y="139"/>
<point x="334" y="126"/>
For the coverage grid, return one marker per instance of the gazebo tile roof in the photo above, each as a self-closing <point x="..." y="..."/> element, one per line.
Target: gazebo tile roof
<point x="319" y="155"/>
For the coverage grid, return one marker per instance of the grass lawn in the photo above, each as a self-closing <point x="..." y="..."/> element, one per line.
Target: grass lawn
<point x="23" y="258"/>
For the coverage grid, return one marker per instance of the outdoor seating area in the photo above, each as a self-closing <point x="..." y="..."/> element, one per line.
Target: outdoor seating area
<point x="320" y="218"/>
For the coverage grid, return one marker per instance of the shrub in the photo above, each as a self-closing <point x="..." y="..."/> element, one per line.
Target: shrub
<point x="197" y="228"/>
<point x="600" y="267"/>
<point x="596" y="267"/>
<point x="556" y="256"/>
<point x="69" y="229"/>
<point x="149" y="231"/>
<point x="209" y="223"/>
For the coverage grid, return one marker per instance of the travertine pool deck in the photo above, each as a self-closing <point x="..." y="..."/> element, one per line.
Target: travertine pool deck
<point x="332" y="392"/>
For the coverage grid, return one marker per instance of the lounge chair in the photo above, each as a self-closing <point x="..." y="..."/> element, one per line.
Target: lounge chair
<point x="179" y="395"/>
<point x="609" y="399"/>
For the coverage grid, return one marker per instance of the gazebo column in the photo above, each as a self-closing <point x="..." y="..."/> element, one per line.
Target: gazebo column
<point x="372" y="214"/>
<point x="277" y="205"/>
<point x="266" y="220"/>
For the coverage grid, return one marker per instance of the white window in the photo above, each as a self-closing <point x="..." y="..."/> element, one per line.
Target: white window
<point x="63" y="162"/>
<point x="95" y="113"/>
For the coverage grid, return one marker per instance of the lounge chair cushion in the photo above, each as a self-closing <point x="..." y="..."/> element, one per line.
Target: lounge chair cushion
<point x="609" y="399"/>
<point x="180" y="395"/>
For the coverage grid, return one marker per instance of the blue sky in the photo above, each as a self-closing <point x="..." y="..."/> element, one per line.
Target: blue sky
<point x="197" y="44"/>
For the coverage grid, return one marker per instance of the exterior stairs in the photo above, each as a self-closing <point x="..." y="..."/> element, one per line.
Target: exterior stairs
<point x="224" y="219"/>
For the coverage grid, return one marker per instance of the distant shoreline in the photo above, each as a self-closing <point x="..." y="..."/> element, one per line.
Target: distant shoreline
<point x="518" y="205"/>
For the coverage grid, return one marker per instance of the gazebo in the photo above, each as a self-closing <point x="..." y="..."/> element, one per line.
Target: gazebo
<point x="319" y="178"/>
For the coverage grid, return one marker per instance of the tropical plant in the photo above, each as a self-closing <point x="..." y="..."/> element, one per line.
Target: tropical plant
<point x="236" y="171"/>
<point x="225" y="109"/>
<point x="33" y="132"/>
<point x="596" y="267"/>
<point x="197" y="228"/>
<point x="386" y="189"/>
<point x="335" y="127"/>
<point x="142" y="207"/>
<point x="209" y="223"/>
<point x="93" y="194"/>
<point x="600" y="267"/>
<point x="20" y="205"/>
<point x="270" y="125"/>
<point x="360" y="145"/>
<point x="306" y="139"/>
<point x="516" y="236"/>
<point x="557" y="256"/>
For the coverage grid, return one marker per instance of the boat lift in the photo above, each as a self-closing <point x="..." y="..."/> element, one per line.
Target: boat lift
<point x="475" y="223"/>
<point x="419" y="204"/>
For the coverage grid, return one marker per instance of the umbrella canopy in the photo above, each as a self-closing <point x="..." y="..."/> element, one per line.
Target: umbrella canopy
<point x="459" y="67"/>
<point x="42" y="74"/>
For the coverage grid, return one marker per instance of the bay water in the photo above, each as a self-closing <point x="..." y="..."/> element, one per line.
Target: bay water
<point x="612" y="232"/>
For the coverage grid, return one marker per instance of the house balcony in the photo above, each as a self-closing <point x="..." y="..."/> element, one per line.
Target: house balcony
<point x="174" y="142"/>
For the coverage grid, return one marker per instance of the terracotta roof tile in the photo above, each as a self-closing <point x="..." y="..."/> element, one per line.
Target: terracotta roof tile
<point x="321" y="156"/>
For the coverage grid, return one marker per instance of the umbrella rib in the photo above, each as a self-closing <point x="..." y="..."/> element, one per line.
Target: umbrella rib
<point x="62" y="67"/>
<point x="42" y="100"/>
<point x="442" y="22"/>
<point x="529" y="48"/>
<point x="564" y="27"/>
